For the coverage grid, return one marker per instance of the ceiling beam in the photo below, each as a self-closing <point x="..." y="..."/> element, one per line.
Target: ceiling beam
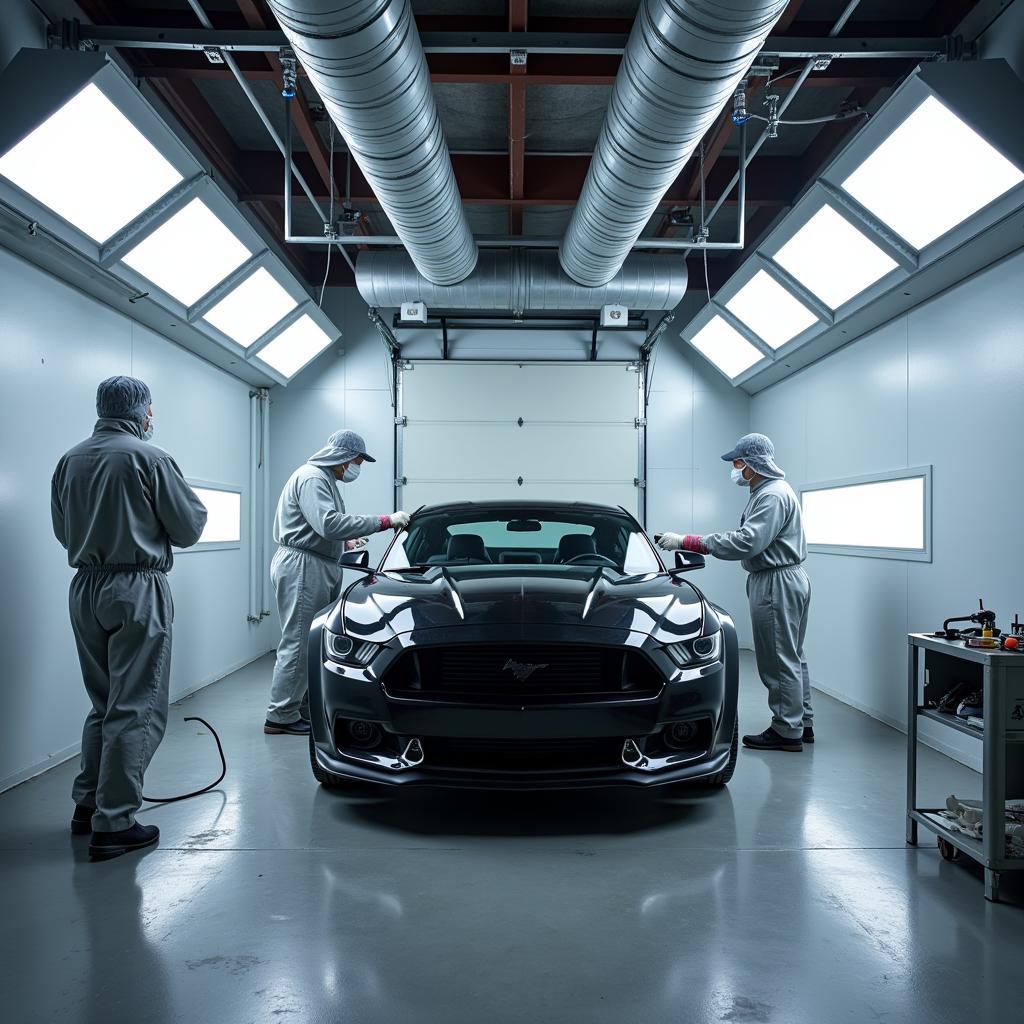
<point x="517" y="18"/>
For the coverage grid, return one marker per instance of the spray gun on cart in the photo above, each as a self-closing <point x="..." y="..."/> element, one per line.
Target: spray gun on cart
<point x="985" y="628"/>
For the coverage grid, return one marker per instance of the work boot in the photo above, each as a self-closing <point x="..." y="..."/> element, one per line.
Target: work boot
<point x="299" y="728"/>
<point x="808" y="734"/>
<point x="107" y="845"/>
<point x="771" y="740"/>
<point x="81" y="820"/>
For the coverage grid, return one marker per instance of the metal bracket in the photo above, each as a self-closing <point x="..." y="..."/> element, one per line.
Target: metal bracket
<point x="637" y="482"/>
<point x="517" y="58"/>
<point x="401" y="421"/>
<point x="401" y="481"/>
<point x="638" y="423"/>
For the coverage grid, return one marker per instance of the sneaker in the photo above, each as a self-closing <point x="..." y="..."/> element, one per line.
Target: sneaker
<point x="808" y="734"/>
<point x="971" y="706"/>
<point x="947" y="704"/>
<point x="299" y="728"/>
<point x="81" y="820"/>
<point x="771" y="740"/>
<point x="107" y="845"/>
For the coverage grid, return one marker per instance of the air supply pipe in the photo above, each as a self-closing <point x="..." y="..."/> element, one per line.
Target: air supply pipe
<point x="681" y="67"/>
<point x="366" y="62"/>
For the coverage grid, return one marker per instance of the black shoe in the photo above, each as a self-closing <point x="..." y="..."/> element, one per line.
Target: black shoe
<point x="106" y="845"/>
<point x="299" y="728"/>
<point x="81" y="820"/>
<point x="808" y="734"/>
<point x="304" y="712"/>
<point x="771" y="740"/>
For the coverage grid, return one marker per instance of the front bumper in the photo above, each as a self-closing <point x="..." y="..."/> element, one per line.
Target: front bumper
<point x="425" y="743"/>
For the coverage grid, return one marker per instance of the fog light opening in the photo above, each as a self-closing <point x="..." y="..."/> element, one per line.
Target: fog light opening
<point x="364" y="735"/>
<point x="679" y="735"/>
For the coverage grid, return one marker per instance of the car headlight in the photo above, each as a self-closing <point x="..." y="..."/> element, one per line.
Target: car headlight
<point x="699" y="651"/>
<point x="345" y="650"/>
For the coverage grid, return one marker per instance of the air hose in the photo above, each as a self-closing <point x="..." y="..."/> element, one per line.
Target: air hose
<point x="205" y="789"/>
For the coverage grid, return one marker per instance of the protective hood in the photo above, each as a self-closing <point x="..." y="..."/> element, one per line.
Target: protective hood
<point x="342" y="446"/>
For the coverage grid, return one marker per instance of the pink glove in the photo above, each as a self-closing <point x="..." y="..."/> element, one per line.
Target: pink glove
<point x="356" y="545"/>
<point x="694" y="542"/>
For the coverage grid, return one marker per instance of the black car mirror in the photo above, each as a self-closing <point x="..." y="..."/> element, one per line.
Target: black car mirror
<point x="687" y="561"/>
<point x="524" y="526"/>
<point x="356" y="559"/>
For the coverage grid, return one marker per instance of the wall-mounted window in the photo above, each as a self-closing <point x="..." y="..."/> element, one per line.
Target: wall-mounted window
<point x="885" y="515"/>
<point x="224" y="516"/>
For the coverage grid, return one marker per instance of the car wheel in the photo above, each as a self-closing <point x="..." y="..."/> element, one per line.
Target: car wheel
<point x="726" y="773"/>
<point x="327" y="779"/>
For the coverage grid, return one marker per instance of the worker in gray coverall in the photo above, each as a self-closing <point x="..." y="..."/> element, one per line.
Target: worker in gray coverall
<point x="313" y="530"/>
<point x="118" y="506"/>
<point x="771" y="546"/>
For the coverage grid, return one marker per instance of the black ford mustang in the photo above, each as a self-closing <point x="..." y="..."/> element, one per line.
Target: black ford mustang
<point x="524" y="646"/>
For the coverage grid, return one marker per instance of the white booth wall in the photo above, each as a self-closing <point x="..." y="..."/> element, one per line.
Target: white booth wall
<point x="56" y="345"/>
<point x="943" y="386"/>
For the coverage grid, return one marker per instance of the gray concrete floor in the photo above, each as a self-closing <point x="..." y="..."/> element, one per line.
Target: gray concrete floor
<point x="789" y="898"/>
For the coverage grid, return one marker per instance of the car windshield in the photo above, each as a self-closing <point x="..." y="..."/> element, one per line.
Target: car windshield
<point x="551" y="537"/>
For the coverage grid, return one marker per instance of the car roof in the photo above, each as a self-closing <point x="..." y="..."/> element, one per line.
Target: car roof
<point x="523" y="505"/>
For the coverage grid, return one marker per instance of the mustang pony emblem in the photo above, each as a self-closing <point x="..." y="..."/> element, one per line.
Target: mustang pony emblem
<point x="521" y="670"/>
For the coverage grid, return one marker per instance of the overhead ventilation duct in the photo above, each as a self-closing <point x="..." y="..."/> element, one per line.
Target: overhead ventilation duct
<point x="365" y="60"/>
<point x="682" y="64"/>
<point x="520" y="280"/>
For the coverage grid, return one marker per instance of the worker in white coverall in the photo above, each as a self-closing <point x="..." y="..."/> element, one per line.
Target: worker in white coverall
<point x="313" y="531"/>
<point x="771" y="546"/>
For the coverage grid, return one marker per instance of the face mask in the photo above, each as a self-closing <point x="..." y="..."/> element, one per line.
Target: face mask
<point x="147" y="434"/>
<point x="737" y="478"/>
<point x="351" y="472"/>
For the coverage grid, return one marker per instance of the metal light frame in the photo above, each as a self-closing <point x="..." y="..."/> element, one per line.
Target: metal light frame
<point x="41" y="82"/>
<point x="988" y="97"/>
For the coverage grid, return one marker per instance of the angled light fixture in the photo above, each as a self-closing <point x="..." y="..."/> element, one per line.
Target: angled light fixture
<point x="251" y="309"/>
<point x="295" y="346"/>
<point x="724" y="346"/>
<point x="833" y="259"/>
<point x="770" y="311"/>
<point x="90" y="164"/>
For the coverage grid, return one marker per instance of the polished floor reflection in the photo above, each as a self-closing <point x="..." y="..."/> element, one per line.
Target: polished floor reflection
<point x="788" y="898"/>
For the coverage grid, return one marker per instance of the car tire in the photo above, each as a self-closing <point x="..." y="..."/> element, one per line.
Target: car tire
<point x="326" y="779"/>
<point x="726" y="773"/>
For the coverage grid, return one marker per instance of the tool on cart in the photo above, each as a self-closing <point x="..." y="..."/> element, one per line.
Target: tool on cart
<point x="984" y="631"/>
<point x="1014" y="640"/>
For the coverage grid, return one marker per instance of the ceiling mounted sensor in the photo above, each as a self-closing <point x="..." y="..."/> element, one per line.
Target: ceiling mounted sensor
<point x="98" y="190"/>
<point x="366" y="62"/>
<point x="930" y="191"/>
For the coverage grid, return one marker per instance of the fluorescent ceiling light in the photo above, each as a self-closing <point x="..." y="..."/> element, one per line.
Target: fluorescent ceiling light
<point x="88" y="163"/>
<point x="887" y="514"/>
<point x="831" y="258"/>
<point x="247" y="312"/>
<point x="930" y="174"/>
<point x="726" y="347"/>
<point x="769" y="310"/>
<point x="295" y="346"/>
<point x="189" y="254"/>
<point x="223" y="515"/>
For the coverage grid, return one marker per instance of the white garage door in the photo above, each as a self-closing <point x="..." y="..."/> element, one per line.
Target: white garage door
<point x="484" y="431"/>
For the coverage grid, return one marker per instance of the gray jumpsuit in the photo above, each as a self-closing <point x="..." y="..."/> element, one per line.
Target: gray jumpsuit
<point x="118" y="504"/>
<point x="311" y="527"/>
<point x="770" y="545"/>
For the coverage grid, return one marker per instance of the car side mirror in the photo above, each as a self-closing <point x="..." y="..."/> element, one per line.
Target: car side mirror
<point x="356" y="559"/>
<point x="687" y="561"/>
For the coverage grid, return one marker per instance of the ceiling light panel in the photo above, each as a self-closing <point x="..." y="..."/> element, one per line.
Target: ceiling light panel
<point x="721" y="343"/>
<point x="295" y="346"/>
<point x="189" y="254"/>
<point x="930" y="174"/>
<point x="770" y="311"/>
<point x="832" y="259"/>
<point x="247" y="312"/>
<point x="90" y="165"/>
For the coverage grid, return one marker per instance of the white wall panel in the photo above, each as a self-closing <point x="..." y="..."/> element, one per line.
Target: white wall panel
<point x="57" y="345"/>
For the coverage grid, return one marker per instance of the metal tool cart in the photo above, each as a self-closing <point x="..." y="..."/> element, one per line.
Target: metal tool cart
<point x="1000" y="676"/>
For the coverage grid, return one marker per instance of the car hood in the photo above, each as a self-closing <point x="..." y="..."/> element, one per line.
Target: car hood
<point x="382" y="606"/>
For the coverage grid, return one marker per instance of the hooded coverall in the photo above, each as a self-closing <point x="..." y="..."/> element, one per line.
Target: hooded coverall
<point x="310" y="528"/>
<point x="118" y="505"/>
<point x="770" y="545"/>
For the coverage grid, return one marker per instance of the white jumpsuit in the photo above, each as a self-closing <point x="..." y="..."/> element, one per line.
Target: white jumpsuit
<point x="771" y="546"/>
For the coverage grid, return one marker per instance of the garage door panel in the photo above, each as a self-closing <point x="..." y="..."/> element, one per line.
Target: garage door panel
<point x="500" y="391"/>
<point x="446" y="450"/>
<point x="431" y="492"/>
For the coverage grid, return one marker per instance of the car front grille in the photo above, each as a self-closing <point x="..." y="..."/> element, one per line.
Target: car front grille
<point x="522" y="674"/>
<point x="522" y="756"/>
